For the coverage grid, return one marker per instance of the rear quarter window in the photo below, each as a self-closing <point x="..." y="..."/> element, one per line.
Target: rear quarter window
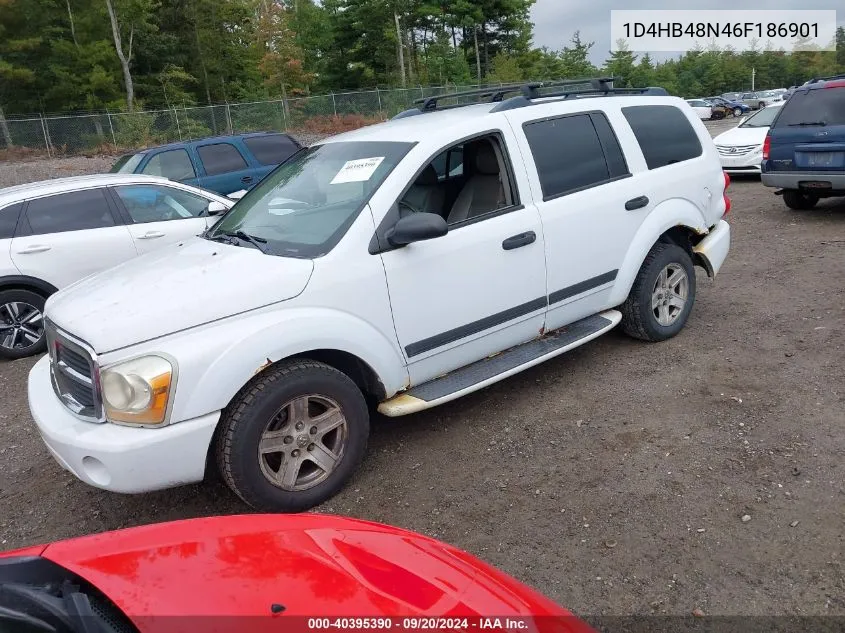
<point x="664" y="134"/>
<point x="820" y="106"/>
<point x="271" y="149"/>
<point x="9" y="220"/>
<point x="220" y="158"/>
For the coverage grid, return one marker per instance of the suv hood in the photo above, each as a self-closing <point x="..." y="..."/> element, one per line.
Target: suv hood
<point x="171" y="289"/>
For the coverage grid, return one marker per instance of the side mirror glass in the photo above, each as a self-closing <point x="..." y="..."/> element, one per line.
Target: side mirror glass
<point x="416" y="228"/>
<point x="216" y="208"/>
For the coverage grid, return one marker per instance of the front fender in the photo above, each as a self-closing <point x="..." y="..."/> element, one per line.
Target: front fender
<point x="216" y="360"/>
<point x="670" y="213"/>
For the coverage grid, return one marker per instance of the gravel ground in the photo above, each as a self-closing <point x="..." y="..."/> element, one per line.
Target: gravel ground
<point x="616" y="478"/>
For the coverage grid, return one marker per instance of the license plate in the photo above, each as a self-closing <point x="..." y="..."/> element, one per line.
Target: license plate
<point x="824" y="159"/>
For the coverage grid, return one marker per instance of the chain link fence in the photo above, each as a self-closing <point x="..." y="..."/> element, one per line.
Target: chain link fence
<point x="110" y="132"/>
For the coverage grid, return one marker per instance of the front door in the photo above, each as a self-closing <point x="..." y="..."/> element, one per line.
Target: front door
<point x="479" y="289"/>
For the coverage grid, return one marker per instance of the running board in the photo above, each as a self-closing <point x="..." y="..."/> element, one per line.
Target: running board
<point x="498" y="367"/>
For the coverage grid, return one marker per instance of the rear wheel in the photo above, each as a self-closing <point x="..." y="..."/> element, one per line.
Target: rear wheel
<point x="21" y="324"/>
<point x="662" y="296"/>
<point x="798" y="200"/>
<point x="293" y="437"/>
<point x="737" y="111"/>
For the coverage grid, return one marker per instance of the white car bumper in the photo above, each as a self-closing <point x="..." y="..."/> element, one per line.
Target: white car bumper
<point x="713" y="249"/>
<point x="118" y="458"/>
<point x="748" y="164"/>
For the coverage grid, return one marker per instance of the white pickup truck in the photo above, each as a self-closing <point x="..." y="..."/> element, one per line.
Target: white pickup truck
<point x="399" y="266"/>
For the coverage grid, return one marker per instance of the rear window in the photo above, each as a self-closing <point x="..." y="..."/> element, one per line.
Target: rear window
<point x="8" y="221"/>
<point x="271" y="149"/>
<point x="822" y="106"/>
<point x="664" y="134"/>
<point x="126" y="164"/>
<point x="220" y="158"/>
<point x="174" y="164"/>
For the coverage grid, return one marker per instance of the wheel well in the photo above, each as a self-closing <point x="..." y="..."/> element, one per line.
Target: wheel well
<point x="27" y="283"/>
<point x="686" y="238"/>
<point x="360" y="372"/>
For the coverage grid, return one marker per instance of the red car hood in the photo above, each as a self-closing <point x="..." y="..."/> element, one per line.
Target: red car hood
<point x="226" y="568"/>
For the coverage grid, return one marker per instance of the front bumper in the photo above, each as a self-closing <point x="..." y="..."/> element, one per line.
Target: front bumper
<point x="797" y="180"/>
<point x="118" y="458"/>
<point x="748" y="164"/>
<point x="713" y="249"/>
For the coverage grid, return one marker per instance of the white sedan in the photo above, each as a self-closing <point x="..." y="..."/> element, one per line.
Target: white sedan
<point x="701" y="107"/>
<point x="55" y="232"/>
<point x="741" y="148"/>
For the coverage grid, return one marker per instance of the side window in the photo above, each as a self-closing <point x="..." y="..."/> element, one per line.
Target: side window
<point x="568" y="154"/>
<point x="174" y="164"/>
<point x="449" y="164"/>
<point x="9" y="220"/>
<point x="271" y="149"/>
<point x="155" y="203"/>
<point x="220" y="158"/>
<point x="74" y="211"/>
<point x="664" y="134"/>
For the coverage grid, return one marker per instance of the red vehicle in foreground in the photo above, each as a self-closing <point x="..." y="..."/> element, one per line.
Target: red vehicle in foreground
<point x="255" y="573"/>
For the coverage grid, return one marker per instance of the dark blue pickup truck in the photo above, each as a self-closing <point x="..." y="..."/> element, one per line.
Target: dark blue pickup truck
<point x="804" y="150"/>
<point x="224" y="164"/>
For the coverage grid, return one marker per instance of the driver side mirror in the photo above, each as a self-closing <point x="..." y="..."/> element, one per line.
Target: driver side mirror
<point x="216" y="208"/>
<point x="416" y="228"/>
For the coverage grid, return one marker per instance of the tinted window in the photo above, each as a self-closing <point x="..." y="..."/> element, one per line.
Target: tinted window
<point x="174" y="164"/>
<point x="73" y="211"/>
<point x="822" y="105"/>
<point x="126" y="164"/>
<point x="270" y="150"/>
<point x="155" y="203"/>
<point x="8" y="221"/>
<point x="221" y="158"/>
<point x="568" y="154"/>
<point x="616" y="164"/>
<point x="664" y="134"/>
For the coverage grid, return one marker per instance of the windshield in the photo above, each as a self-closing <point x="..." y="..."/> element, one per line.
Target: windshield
<point x="822" y="106"/>
<point x="307" y="204"/>
<point x="761" y="118"/>
<point x="126" y="164"/>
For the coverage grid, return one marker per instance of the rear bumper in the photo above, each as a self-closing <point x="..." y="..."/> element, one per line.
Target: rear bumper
<point x="796" y="180"/>
<point x="713" y="249"/>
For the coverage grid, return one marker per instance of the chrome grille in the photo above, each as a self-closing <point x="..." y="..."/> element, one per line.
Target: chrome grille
<point x="736" y="150"/>
<point x="73" y="368"/>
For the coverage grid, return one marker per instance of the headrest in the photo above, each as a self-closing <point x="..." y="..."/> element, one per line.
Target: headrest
<point x="428" y="177"/>
<point x="485" y="159"/>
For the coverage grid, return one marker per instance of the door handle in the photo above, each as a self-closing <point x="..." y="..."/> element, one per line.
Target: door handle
<point x="636" y="203"/>
<point x="523" y="239"/>
<point x="151" y="235"/>
<point x="246" y="180"/>
<point x="35" y="248"/>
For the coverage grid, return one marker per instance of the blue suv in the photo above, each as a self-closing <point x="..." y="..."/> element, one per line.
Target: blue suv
<point x="223" y="164"/>
<point x="804" y="150"/>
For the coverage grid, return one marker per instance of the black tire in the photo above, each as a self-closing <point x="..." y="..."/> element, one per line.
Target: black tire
<point x="798" y="200"/>
<point x="737" y="112"/>
<point x="257" y="406"/>
<point x="638" y="318"/>
<point x="761" y="105"/>
<point x="14" y="350"/>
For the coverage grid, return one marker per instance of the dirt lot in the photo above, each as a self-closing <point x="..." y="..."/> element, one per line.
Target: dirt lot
<point x="614" y="478"/>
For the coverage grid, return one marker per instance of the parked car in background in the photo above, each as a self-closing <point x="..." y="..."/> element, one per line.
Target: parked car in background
<point x="737" y="108"/>
<point x="757" y="100"/>
<point x="262" y="574"/>
<point x="732" y="96"/>
<point x="222" y="164"/>
<point x="804" y="151"/>
<point x="55" y="232"/>
<point x="358" y="273"/>
<point x="741" y="148"/>
<point x="702" y="108"/>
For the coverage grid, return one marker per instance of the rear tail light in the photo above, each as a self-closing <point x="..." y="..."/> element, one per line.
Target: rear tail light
<point x="839" y="83"/>
<point x="725" y="194"/>
<point x="767" y="146"/>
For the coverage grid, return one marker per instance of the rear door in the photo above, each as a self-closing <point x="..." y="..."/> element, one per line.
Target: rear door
<point x="173" y="164"/>
<point x="809" y="133"/>
<point x="226" y="169"/>
<point x="269" y="150"/>
<point x="68" y="236"/>
<point x="158" y="215"/>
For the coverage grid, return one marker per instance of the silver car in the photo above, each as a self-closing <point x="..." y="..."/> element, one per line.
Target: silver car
<point x="757" y="100"/>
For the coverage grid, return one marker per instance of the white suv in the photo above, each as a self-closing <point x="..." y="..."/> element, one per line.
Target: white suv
<point x="401" y="265"/>
<point x="55" y="232"/>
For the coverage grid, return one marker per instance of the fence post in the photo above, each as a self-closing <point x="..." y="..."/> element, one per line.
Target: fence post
<point x="111" y="127"/>
<point x="46" y="138"/>
<point x="334" y="105"/>
<point x="229" y="119"/>
<point x="378" y="96"/>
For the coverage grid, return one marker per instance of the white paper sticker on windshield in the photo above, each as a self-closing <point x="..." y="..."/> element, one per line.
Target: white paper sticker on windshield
<point x="358" y="170"/>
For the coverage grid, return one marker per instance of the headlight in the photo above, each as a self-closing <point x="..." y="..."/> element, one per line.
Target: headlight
<point x="137" y="391"/>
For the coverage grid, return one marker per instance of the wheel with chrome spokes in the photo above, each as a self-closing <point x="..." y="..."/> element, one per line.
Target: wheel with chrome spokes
<point x="293" y="437"/>
<point x="21" y="324"/>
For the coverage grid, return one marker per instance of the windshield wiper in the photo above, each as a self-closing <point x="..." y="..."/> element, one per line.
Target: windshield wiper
<point x="803" y="123"/>
<point x="257" y="242"/>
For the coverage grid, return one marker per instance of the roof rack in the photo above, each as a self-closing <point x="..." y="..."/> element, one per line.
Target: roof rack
<point x="818" y="79"/>
<point x="598" y="86"/>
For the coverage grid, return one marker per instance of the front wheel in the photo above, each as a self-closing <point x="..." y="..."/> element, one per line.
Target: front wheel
<point x="662" y="296"/>
<point x="761" y="105"/>
<point x="293" y="437"/>
<point x="737" y="112"/>
<point x="799" y="201"/>
<point x="21" y="324"/>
